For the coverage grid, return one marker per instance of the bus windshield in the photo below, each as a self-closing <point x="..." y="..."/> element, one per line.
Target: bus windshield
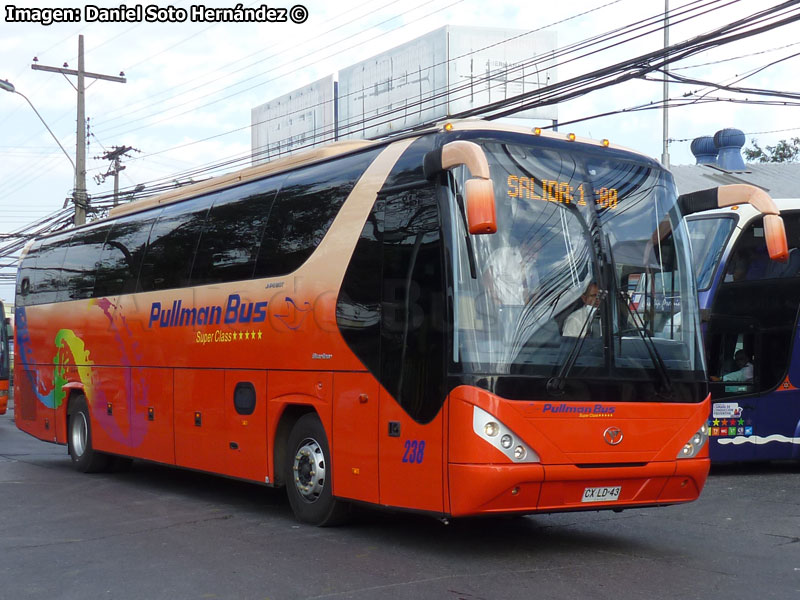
<point x="709" y="237"/>
<point x="578" y="229"/>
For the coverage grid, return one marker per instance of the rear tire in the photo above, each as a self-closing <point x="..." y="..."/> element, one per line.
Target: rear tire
<point x="308" y="475"/>
<point x="79" y="440"/>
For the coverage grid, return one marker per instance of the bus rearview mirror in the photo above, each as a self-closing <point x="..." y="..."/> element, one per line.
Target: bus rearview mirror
<point x="481" y="212"/>
<point x="742" y="193"/>
<point x="479" y="191"/>
<point x="775" y="236"/>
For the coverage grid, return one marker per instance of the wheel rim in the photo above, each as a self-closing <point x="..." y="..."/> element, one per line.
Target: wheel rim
<point x="79" y="433"/>
<point x="309" y="470"/>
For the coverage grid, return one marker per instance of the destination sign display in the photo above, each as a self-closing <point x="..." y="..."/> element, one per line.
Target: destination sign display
<point x="551" y="190"/>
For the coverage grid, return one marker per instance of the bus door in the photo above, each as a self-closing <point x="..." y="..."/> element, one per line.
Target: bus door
<point x="760" y="300"/>
<point x="735" y="402"/>
<point x="412" y="363"/>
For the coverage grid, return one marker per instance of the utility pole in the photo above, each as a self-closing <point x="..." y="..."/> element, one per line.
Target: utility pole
<point x="115" y="155"/>
<point x="79" y="196"/>
<point x="665" y="152"/>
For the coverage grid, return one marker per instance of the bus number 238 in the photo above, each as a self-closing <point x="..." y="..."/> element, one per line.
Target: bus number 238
<point x="415" y="451"/>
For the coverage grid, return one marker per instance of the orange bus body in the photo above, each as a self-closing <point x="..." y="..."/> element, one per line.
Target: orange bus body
<point x="160" y="370"/>
<point x="4" y="361"/>
<point x="3" y="396"/>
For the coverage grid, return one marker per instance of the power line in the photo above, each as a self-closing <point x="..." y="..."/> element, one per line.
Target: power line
<point x="588" y="77"/>
<point x="553" y="93"/>
<point x="565" y="51"/>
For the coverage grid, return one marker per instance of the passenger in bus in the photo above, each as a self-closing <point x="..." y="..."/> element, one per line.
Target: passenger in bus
<point x="744" y="371"/>
<point x="575" y="321"/>
<point x="512" y="274"/>
<point x="504" y="276"/>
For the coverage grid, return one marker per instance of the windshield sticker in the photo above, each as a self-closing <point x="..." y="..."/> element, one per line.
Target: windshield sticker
<point x="726" y="410"/>
<point x="720" y="428"/>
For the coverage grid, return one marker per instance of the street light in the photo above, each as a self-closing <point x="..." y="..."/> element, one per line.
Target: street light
<point x="9" y="87"/>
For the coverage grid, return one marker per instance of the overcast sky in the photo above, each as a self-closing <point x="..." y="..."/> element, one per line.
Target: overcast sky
<point x="191" y="85"/>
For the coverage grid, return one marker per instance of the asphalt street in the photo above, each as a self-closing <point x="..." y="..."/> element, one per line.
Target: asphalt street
<point x="156" y="532"/>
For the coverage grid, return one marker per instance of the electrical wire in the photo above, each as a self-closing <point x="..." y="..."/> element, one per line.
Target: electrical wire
<point x="579" y="85"/>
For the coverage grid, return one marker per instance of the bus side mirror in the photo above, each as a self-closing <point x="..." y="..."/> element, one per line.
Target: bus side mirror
<point x="741" y="193"/>
<point x="481" y="213"/>
<point x="775" y="236"/>
<point x="774" y="229"/>
<point x="478" y="191"/>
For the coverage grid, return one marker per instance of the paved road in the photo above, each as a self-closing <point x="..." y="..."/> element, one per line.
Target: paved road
<point x="156" y="532"/>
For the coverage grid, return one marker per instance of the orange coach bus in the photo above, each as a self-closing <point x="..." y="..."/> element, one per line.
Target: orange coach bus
<point x="386" y="322"/>
<point x="4" y="360"/>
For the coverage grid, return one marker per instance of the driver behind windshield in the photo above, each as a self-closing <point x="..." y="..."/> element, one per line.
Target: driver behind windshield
<point x="582" y="321"/>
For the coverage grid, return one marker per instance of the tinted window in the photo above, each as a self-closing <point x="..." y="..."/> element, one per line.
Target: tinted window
<point x="230" y="241"/>
<point x="25" y="275"/>
<point x="358" y="307"/>
<point x="750" y="260"/>
<point x="413" y="319"/>
<point x="47" y="276"/>
<point x="119" y="263"/>
<point x="173" y="241"/>
<point x="304" y="210"/>
<point x="79" y="265"/>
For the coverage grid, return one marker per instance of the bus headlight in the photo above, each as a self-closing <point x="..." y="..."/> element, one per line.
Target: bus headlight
<point x="695" y="444"/>
<point x="501" y="437"/>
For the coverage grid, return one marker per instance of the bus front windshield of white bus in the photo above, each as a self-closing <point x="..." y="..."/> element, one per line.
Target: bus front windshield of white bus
<point x="551" y="293"/>
<point x="708" y="236"/>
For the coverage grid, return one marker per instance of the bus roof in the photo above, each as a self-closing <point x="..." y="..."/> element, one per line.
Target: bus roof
<point x="237" y="177"/>
<point x="338" y="148"/>
<point x="746" y="211"/>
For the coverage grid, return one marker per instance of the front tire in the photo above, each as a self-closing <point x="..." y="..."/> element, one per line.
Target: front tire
<point x="79" y="440"/>
<point x="308" y="475"/>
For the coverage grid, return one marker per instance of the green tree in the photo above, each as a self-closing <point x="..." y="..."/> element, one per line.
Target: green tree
<point x="783" y="151"/>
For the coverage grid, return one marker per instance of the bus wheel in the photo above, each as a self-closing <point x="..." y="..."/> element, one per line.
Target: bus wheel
<point x="307" y="473"/>
<point x="79" y="440"/>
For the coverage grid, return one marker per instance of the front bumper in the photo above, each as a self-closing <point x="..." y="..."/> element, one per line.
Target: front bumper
<point x="477" y="489"/>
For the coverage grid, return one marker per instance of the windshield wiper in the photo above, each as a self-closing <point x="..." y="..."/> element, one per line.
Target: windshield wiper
<point x="639" y="326"/>
<point x="650" y="345"/>
<point x="555" y="385"/>
<point x="473" y="269"/>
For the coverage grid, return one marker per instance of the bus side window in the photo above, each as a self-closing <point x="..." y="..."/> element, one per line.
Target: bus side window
<point x="358" y="307"/>
<point x="304" y="210"/>
<point x="170" y="249"/>
<point x="117" y="269"/>
<point x="735" y="360"/>
<point x="750" y="260"/>
<point x="47" y="276"/>
<point x="232" y="236"/>
<point x="79" y="264"/>
<point x="25" y="276"/>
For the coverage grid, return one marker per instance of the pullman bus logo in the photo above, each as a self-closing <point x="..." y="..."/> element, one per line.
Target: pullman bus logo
<point x="612" y="435"/>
